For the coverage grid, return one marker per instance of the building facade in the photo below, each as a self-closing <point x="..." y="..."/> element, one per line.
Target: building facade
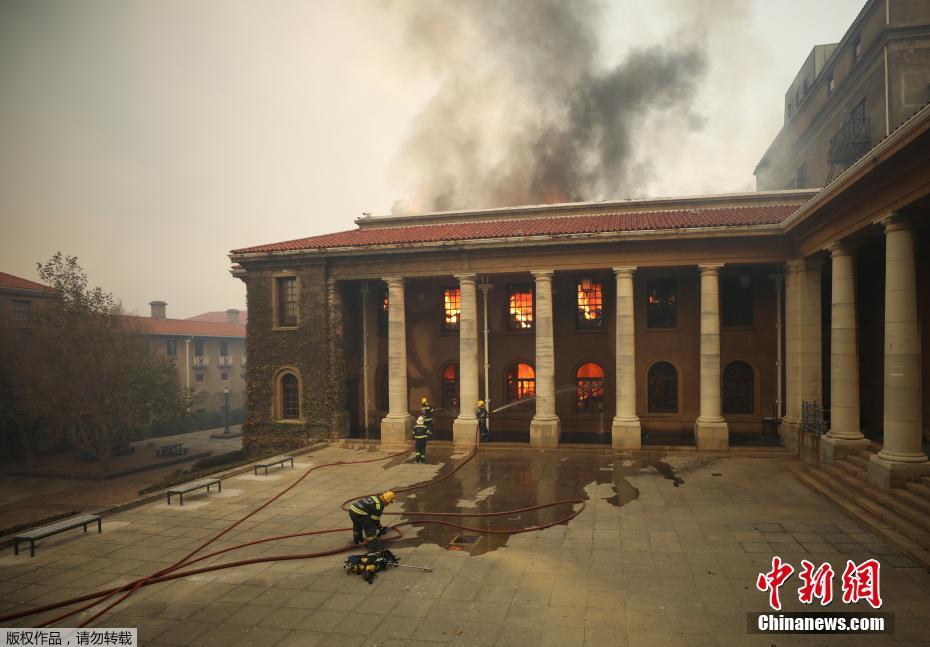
<point x="617" y="323"/>
<point x="209" y="355"/>
<point x="848" y="96"/>
<point x="20" y="300"/>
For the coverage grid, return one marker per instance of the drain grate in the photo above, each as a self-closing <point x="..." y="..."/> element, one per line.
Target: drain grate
<point x="466" y="539"/>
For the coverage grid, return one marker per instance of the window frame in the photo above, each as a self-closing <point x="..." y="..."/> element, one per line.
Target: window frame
<point x="747" y="397"/>
<point x="171" y="347"/>
<point x="280" y="323"/>
<point x="598" y="323"/>
<point x="455" y="403"/>
<point x="279" y="403"/>
<point x="456" y="298"/>
<point x="21" y="312"/>
<point x="727" y="298"/>
<point x="578" y="389"/>
<point x="672" y="280"/>
<point x="200" y="378"/>
<point x="224" y="376"/>
<point x="514" y="366"/>
<point x="521" y="288"/>
<point x="650" y="409"/>
<point x="201" y="344"/>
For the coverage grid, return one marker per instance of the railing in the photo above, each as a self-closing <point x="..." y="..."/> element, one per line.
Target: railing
<point x="201" y="361"/>
<point x="812" y="418"/>
<point x="225" y="361"/>
<point x="851" y="141"/>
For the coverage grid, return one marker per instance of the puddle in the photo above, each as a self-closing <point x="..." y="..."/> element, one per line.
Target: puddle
<point x="507" y="481"/>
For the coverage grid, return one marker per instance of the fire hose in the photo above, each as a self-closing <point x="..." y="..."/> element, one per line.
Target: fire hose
<point x="174" y="571"/>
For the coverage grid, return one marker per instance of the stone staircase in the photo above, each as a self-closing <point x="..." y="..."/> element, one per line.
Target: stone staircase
<point x="900" y="516"/>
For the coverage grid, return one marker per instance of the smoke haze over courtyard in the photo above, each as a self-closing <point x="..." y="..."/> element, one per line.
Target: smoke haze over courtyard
<point x="150" y="139"/>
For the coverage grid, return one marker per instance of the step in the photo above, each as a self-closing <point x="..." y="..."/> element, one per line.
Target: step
<point x="908" y="547"/>
<point x="851" y="468"/>
<point x="915" y="515"/>
<point x="925" y="480"/>
<point x="913" y="499"/>
<point x="921" y="489"/>
<point x="860" y="460"/>
<point x="906" y="527"/>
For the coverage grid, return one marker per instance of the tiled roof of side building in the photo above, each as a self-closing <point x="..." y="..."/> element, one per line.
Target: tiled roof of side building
<point x="219" y="316"/>
<point x="738" y="216"/>
<point x="11" y="282"/>
<point x="187" y="327"/>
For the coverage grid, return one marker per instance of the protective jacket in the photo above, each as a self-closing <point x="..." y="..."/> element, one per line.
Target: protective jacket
<point x="481" y="413"/>
<point x="421" y="432"/>
<point x="427" y="412"/>
<point x="369" y="506"/>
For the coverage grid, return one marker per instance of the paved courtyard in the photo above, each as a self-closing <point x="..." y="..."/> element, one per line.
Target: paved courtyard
<point x="666" y="552"/>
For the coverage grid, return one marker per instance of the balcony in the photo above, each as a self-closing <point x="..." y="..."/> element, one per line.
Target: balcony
<point x="225" y="361"/>
<point x="201" y="361"/>
<point x="851" y="141"/>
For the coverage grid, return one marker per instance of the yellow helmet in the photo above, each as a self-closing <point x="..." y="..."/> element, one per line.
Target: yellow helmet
<point x="388" y="497"/>
<point x="480" y="403"/>
<point x="424" y="400"/>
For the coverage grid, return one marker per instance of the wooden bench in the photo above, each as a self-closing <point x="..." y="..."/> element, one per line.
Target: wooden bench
<point x="174" y="449"/>
<point x="122" y="449"/>
<point x="184" y="488"/>
<point x="86" y="456"/>
<point x="53" y="529"/>
<point x="278" y="460"/>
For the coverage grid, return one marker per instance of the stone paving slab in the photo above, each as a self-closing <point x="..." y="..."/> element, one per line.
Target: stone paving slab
<point x="650" y="561"/>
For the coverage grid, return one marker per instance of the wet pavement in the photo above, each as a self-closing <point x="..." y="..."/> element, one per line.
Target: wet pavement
<point x="665" y="552"/>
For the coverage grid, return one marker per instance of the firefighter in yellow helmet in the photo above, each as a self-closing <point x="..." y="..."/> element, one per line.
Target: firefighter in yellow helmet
<point x="421" y="434"/>
<point x="481" y="413"/>
<point x="366" y="517"/>
<point x="426" y="411"/>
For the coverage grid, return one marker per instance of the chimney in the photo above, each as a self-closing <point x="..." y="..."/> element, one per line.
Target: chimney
<point x="232" y="316"/>
<point x="158" y="309"/>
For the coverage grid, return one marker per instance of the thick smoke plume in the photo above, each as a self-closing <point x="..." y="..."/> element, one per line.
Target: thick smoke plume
<point x="524" y="111"/>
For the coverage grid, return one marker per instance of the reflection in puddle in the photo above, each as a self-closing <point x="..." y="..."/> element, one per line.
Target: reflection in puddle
<point x="497" y="481"/>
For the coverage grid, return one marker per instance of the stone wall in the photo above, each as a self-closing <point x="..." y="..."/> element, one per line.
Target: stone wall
<point x="306" y="348"/>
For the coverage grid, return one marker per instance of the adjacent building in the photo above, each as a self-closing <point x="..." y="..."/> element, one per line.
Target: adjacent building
<point x="850" y="95"/>
<point x="208" y="352"/>
<point x="20" y="300"/>
<point x="615" y="322"/>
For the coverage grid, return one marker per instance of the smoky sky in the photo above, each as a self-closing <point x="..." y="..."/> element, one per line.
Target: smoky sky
<point x="525" y="111"/>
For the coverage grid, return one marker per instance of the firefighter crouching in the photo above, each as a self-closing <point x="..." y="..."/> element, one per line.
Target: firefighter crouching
<point x="421" y="434"/>
<point x="481" y="413"/>
<point x="427" y="412"/>
<point x="366" y="517"/>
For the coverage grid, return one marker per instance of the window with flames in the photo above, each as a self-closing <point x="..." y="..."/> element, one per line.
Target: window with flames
<point x="590" y="312"/>
<point x="521" y="382"/>
<point x="451" y="308"/>
<point x="589" y="395"/>
<point x="521" y="308"/>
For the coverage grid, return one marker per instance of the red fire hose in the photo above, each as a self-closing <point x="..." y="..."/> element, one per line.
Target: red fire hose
<point x="173" y="572"/>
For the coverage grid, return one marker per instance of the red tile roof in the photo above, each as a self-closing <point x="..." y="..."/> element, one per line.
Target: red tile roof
<point x="547" y="226"/>
<point x="16" y="283"/>
<point x="187" y="327"/>
<point x="219" y="316"/>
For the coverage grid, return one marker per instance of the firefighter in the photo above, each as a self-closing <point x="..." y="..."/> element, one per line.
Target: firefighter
<point x="366" y="517"/>
<point x="421" y="434"/>
<point x="427" y="412"/>
<point x="481" y="413"/>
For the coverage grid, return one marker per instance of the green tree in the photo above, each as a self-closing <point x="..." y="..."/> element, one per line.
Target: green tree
<point x="86" y="368"/>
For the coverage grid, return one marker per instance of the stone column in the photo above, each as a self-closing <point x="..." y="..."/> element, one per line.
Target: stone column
<point x="339" y="419"/>
<point x="845" y="436"/>
<point x="802" y="344"/>
<point x="626" y="432"/>
<point x="396" y="426"/>
<point x="902" y="458"/>
<point x="465" y="426"/>
<point x="710" y="429"/>
<point x="544" y="429"/>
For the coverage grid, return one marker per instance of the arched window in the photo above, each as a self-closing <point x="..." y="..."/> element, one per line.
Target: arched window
<point x="384" y="398"/>
<point x="589" y="392"/>
<point x="662" y="388"/>
<point x="288" y="397"/>
<point x="521" y="382"/>
<point x="450" y="387"/>
<point x="738" y="391"/>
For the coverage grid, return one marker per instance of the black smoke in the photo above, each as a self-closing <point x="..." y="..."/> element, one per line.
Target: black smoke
<point x="524" y="111"/>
